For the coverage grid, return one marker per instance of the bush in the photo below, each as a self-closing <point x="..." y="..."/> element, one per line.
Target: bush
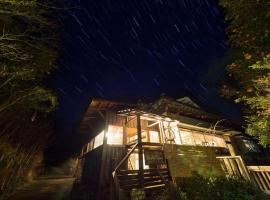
<point x="215" y="188"/>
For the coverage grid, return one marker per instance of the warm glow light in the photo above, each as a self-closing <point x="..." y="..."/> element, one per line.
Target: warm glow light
<point x="115" y="135"/>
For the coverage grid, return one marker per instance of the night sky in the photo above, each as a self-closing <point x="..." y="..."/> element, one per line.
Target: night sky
<point x="131" y="49"/>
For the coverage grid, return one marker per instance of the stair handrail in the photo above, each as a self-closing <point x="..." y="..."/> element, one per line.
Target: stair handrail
<point x="115" y="179"/>
<point x="126" y="157"/>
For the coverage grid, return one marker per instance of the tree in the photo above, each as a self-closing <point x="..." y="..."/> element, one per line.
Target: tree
<point x="249" y="31"/>
<point x="28" y="50"/>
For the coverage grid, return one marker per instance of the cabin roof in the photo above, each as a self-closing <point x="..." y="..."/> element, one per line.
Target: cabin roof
<point x="165" y="107"/>
<point x="188" y="101"/>
<point x="104" y="104"/>
<point x="95" y="112"/>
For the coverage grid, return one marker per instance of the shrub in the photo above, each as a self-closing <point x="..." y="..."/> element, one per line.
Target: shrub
<point x="198" y="187"/>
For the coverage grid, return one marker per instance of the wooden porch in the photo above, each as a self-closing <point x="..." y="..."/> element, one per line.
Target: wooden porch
<point x="257" y="175"/>
<point x="125" y="180"/>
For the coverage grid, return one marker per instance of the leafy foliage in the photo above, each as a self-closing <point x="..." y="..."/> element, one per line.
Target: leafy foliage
<point x="28" y="50"/>
<point x="249" y="31"/>
<point x="216" y="188"/>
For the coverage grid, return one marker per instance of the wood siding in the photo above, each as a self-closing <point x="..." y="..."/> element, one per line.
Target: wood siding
<point x="184" y="159"/>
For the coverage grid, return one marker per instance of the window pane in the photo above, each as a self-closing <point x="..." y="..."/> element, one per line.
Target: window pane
<point x="187" y="137"/>
<point x="199" y="139"/>
<point x="115" y="135"/>
<point x="144" y="136"/>
<point x="212" y="140"/>
<point x="251" y="146"/>
<point x="133" y="162"/>
<point x="220" y="141"/>
<point x="154" y="136"/>
<point x="171" y="132"/>
<point x="99" y="140"/>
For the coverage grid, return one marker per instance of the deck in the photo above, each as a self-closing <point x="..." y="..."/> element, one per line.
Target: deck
<point x="257" y="175"/>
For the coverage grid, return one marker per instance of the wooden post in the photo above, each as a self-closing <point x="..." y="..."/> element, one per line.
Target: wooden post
<point x="140" y="151"/>
<point x="125" y="132"/>
<point x="103" y="160"/>
<point x="161" y="133"/>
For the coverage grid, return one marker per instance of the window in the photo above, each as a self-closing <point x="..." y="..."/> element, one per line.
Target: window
<point x="220" y="141"/>
<point x="216" y="141"/>
<point x="251" y="146"/>
<point x="199" y="139"/>
<point x="133" y="162"/>
<point x="172" y="132"/>
<point x="154" y="136"/>
<point x="187" y="137"/>
<point x="209" y="140"/>
<point x="98" y="140"/>
<point x="132" y="135"/>
<point x="115" y="135"/>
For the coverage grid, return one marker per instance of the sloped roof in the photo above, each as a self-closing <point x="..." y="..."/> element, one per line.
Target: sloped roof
<point x="168" y="106"/>
<point x="188" y="101"/>
<point x="94" y="113"/>
<point x="164" y="106"/>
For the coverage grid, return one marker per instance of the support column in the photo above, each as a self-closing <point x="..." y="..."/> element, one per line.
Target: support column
<point x="140" y="151"/>
<point x="103" y="160"/>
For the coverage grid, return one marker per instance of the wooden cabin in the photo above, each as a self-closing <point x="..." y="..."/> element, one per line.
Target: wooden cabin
<point x="135" y="149"/>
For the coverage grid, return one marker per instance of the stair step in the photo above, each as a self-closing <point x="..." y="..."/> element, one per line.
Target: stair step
<point x="146" y="186"/>
<point x="155" y="186"/>
<point x="135" y="181"/>
<point x="136" y="173"/>
<point x="129" y="179"/>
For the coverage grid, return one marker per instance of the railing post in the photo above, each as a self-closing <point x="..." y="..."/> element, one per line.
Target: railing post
<point x="140" y="152"/>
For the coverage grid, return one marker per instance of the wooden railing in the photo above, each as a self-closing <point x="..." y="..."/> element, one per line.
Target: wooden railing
<point x="129" y="179"/>
<point x="114" y="173"/>
<point x="261" y="176"/>
<point x="234" y="166"/>
<point x="258" y="175"/>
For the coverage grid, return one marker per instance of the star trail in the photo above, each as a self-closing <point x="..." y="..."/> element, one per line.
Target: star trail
<point x="127" y="49"/>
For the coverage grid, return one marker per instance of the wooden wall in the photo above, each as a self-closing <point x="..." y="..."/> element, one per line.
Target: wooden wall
<point x="91" y="171"/>
<point x="92" y="166"/>
<point x="184" y="159"/>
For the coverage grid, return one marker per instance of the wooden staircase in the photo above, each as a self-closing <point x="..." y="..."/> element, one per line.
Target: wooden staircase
<point x="129" y="179"/>
<point x="148" y="179"/>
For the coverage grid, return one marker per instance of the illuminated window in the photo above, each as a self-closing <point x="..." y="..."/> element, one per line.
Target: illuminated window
<point x="220" y="141"/>
<point x="98" y="140"/>
<point x="187" y="137"/>
<point x="133" y="162"/>
<point x="177" y="137"/>
<point x="212" y="140"/>
<point x="144" y="136"/>
<point x="115" y="135"/>
<point x="132" y="135"/>
<point x="199" y="139"/>
<point x="209" y="140"/>
<point x="172" y="132"/>
<point x="154" y="136"/>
